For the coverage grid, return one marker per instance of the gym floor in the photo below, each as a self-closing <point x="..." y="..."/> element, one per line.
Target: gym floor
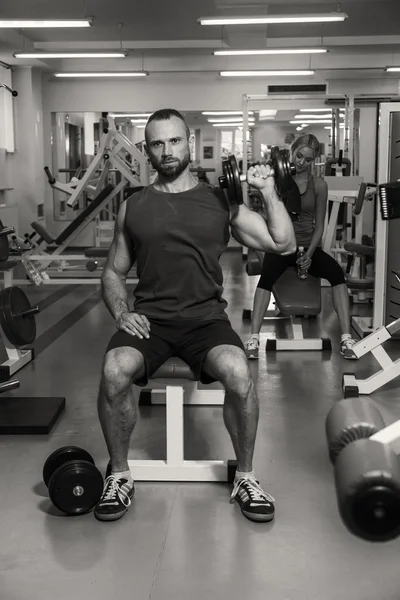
<point x="186" y="540"/>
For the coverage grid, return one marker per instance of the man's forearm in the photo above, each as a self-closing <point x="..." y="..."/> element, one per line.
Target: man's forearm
<point x="280" y="224"/>
<point x="115" y="294"/>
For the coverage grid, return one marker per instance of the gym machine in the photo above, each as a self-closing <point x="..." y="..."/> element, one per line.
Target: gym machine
<point x="22" y="415"/>
<point x="365" y="454"/>
<point x="387" y="232"/>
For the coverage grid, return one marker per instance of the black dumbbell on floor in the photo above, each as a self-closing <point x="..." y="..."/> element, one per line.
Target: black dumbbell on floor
<point x="74" y="482"/>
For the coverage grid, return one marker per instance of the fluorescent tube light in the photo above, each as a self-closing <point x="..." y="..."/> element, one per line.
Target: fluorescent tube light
<point x="222" y="113"/>
<point x="100" y="74"/>
<point x="264" y="73"/>
<point x="270" y="51"/>
<point x="70" y="55"/>
<point x="31" y="23"/>
<point x="268" y="19"/>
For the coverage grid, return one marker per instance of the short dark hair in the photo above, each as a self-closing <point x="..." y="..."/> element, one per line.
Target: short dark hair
<point x="164" y="114"/>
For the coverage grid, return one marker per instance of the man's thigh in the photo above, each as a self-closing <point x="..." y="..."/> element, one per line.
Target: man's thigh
<point x="203" y="346"/>
<point x="155" y="350"/>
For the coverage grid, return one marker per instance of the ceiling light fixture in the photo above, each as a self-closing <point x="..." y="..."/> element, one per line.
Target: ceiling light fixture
<point x="310" y="116"/>
<point x="270" y="19"/>
<point x="392" y="69"/>
<point x="270" y="51"/>
<point x="100" y="74"/>
<point x="128" y="115"/>
<point x="222" y="113"/>
<point x="229" y="124"/>
<point x="229" y="120"/>
<point x="312" y="121"/>
<point x="264" y="73"/>
<point x="54" y="23"/>
<point x="70" y="55"/>
<point x="313" y="110"/>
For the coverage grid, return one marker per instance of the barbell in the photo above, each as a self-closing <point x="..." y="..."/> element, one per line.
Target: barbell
<point x="232" y="180"/>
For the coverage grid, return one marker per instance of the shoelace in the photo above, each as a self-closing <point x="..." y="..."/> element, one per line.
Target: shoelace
<point x="252" y="344"/>
<point x="349" y="343"/>
<point x="254" y="490"/>
<point x="113" y="490"/>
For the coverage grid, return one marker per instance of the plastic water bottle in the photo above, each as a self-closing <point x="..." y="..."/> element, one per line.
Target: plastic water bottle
<point x="32" y="272"/>
<point x="301" y="273"/>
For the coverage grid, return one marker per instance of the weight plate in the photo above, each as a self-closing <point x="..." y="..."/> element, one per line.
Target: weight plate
<point x="236" y="179"/>
<point x="19" y="330"/>
<point x="61" y="457"/>
<point x="75" y="488"/>
<point x="227" y="169"/>
<point x="4" y="248"/>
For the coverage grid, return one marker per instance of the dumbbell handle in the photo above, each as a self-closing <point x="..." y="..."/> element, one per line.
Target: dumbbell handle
<point x="29" y="312"/>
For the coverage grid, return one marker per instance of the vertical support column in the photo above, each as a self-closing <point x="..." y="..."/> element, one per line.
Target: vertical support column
<point x="26" y="165"/>
<point x="351" y="133"/>
<point x="174" y="407"/>
<point x="245" y="107"/>
<point x="346" y="129"/>
<point x="381" y="230"/>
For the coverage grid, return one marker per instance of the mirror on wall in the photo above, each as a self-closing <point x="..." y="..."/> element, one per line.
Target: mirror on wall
<point x="76" y="139"/>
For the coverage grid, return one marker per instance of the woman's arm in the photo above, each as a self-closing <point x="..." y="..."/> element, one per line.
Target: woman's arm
<point x="321" y="201"/>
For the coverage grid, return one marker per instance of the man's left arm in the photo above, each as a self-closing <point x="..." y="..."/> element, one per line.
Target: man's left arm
<point x="273" y="234"/>
<point x="250" y="229"/>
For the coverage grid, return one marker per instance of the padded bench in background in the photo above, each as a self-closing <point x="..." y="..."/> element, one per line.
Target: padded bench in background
<point x="294" y="298"/>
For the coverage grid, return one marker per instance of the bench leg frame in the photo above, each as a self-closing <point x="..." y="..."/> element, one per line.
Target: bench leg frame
<point x="175" y="467"/>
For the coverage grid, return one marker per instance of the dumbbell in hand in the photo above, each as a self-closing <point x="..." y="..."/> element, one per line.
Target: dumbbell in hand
<point x="74" y="482"/>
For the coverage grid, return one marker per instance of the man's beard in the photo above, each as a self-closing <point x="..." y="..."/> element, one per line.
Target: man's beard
<point x="173" y="170"/>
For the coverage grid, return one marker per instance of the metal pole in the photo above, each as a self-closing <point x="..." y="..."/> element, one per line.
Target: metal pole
<point x="245" y="108"/>
<point x="351" y="133"/>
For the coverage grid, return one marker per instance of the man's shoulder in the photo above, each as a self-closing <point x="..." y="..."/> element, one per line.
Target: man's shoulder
<point x="136" y="193"/>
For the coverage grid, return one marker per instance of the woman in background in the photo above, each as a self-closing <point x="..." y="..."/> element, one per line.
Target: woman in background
<point x="309" y="229"/>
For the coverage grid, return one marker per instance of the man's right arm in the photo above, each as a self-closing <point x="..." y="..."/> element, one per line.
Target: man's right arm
<point x="119" y="262"/>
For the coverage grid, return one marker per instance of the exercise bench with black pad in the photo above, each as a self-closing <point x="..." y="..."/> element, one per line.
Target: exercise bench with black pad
<point x="178" y="380"/>
<point x="294" y="298"/>
<point x="23" y="415"/>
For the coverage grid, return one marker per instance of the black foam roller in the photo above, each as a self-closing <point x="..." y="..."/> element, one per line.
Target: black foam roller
<point x="349" y="420"/>
<point x="367" y="479"/>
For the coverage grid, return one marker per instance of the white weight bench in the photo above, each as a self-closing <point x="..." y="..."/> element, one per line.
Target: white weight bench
<point x="390" y="369"/>
<point x="294" y="298"/>
<point x="180" y="386"/>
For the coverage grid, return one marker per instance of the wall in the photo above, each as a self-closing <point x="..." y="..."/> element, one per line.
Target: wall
<point x="25" y="166"/>
<point x="274" y="134"/>
<point x="185" y="91"/>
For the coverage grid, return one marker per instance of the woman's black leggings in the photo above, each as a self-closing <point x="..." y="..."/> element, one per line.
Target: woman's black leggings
<point x="322" y="266"/>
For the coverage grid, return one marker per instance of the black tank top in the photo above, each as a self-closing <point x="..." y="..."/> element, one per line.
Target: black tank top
<point x="179" y="239"/>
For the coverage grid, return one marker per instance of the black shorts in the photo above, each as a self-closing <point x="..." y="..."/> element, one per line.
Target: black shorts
<point x="323" y="266"/>
<point x="188" y="340"/>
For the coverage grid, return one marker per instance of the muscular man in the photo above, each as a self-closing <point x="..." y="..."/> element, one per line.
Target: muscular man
<point x="178" y="228"/>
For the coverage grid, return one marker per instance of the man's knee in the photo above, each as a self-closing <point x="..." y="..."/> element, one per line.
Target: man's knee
<point x="235" y="373"/>
<point x="121" y="366"/>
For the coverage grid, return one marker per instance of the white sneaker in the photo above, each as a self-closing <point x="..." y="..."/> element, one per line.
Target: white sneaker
<point x="346" y="349"/>
<point x="251" y="347"/>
